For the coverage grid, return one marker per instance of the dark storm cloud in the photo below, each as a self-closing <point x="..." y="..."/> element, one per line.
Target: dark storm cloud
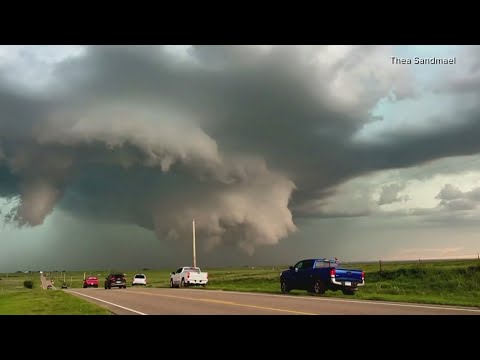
<point x="456" y="137"/>
<point x="235" y="137"/>
<point x="338" y="214"/>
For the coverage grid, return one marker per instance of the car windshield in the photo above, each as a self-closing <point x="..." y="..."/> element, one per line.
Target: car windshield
<point x="92" y="278"/>
<point x="192" y="269"/>
<point x="139" y="276"/>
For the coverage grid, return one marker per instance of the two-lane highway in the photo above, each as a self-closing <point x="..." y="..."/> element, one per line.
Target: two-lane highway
<point x="45" y="282"/>
<point x="165" y="301"/>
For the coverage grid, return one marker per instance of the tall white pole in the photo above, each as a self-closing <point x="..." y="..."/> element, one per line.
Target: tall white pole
<point x="194" y="254"/>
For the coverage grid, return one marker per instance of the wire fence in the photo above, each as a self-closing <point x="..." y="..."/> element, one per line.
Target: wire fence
<point x="13" y="282"/>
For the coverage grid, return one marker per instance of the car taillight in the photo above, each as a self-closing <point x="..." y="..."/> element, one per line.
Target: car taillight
<point x="188" y="275"/>
<point x="363" y="275"/>
<point x="332" y="272"/>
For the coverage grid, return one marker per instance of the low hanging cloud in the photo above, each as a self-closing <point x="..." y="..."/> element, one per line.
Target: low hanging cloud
<point x="389" y="194"/>
<point x="453" y="199"/>
<point x="242" y="138"/>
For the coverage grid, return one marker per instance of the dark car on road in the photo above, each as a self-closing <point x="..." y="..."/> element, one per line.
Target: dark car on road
<point x="116" y="280"/>
<point x="318" y="275"/>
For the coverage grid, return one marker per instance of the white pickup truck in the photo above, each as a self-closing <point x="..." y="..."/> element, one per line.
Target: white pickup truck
<point x="187" y="276"/>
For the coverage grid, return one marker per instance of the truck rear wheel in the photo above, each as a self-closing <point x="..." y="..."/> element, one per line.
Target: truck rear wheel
<point x="284" y="287"/>
<point x="318" y="287"/>
<point x="182" y="283"/>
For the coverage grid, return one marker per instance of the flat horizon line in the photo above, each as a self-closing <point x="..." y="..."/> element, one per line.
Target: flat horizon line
<point x="256" y="266"/>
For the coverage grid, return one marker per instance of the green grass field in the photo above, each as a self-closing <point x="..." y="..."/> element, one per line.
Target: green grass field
<point x="15" y="299"/>
<point x="446" y="282"/>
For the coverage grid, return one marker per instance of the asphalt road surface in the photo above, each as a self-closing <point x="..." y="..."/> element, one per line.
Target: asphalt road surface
<point x="166" y="301"/>
<point x="45" y="282"/>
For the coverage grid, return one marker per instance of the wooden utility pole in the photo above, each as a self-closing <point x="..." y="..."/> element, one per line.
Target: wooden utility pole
<point x="194" y="250"/>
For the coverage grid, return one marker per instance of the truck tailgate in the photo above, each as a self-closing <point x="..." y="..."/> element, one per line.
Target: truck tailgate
<point x="348" y="275"/>
<point x="196" y="276"/>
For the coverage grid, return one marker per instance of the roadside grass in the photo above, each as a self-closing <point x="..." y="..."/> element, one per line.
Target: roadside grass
<point x="15" y="299"/>
<point x="14" y="282"/>
<point x="435" y="282"/>
<point x="445" y="282"/>
<point x="46" y="302"/>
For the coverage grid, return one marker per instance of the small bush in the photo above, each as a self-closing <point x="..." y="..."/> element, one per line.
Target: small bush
<point x="473" y="269"/>
<point x="28" y="284"/>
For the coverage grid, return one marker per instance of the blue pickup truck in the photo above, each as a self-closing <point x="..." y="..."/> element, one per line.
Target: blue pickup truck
<point x="318" y="275"/>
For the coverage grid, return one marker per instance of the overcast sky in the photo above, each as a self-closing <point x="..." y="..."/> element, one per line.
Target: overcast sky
<point x="107" y="153"/>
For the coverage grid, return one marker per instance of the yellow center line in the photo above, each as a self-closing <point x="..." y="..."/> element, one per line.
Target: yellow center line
<point x="227" y="303"/>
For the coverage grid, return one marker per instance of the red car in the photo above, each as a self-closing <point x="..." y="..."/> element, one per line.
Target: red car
<point x="90" y="281"/>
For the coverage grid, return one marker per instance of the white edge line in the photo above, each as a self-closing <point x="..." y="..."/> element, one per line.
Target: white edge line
<point x="438" y="307"/>
<point x="108" y="302"/>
